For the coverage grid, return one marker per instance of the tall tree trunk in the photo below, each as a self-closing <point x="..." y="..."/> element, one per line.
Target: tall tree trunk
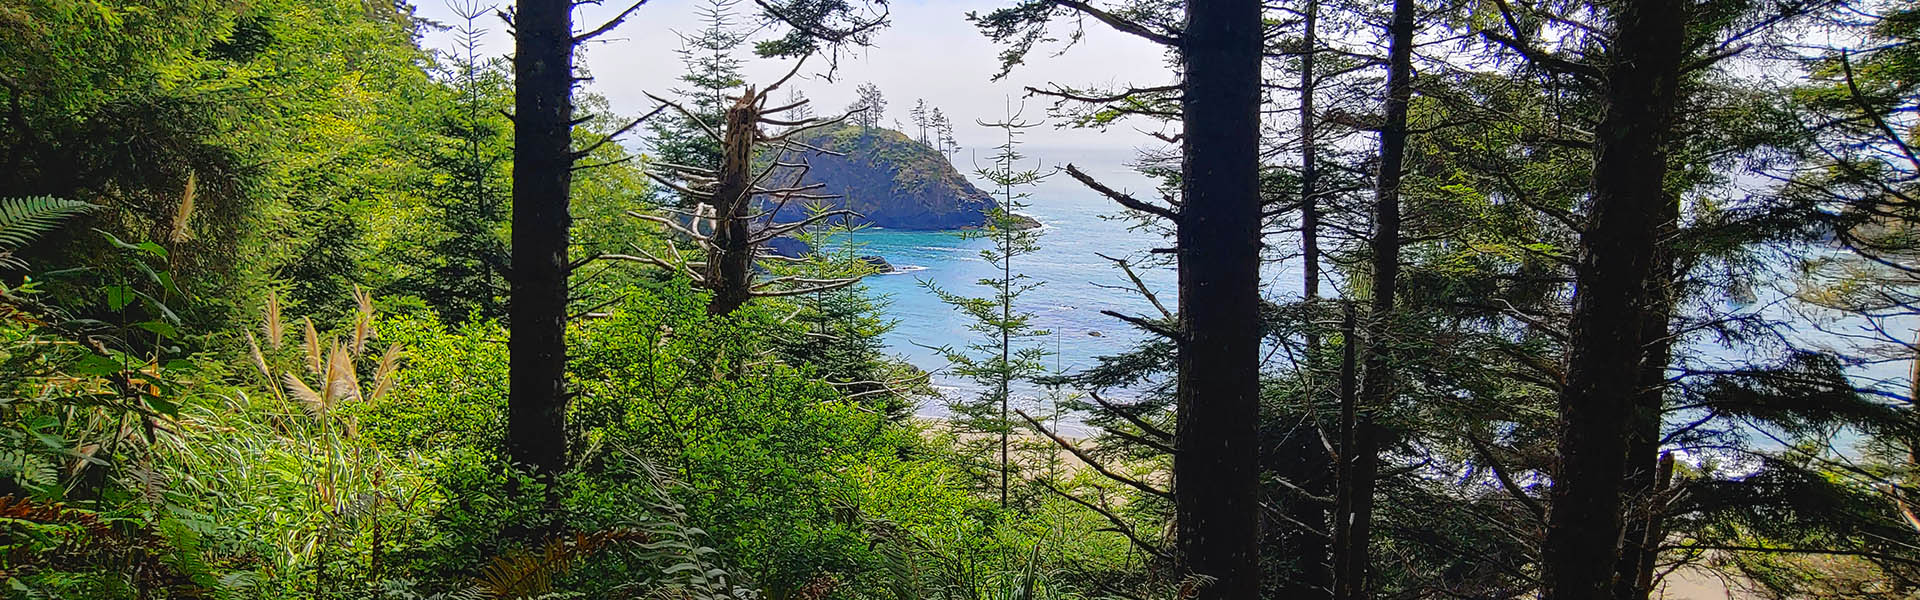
<point x="1216" y="459"/>
<point x="1641" y="487"/>
<point x="542" y="175"/>
<point x="1361" y="446"/>
<point x="1006" y="339"/>
<point x="1611" y="301"/>
<point x="1304" y="539"/>
<point x="1309" y="172"/>
<point x="1349" y="420"/>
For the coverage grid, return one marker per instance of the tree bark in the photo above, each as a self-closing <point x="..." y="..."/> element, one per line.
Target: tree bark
<point x="1309" y="173"/>
<point x="542" y="176"/>
<point x="1611" y="302"/>
<point x="1304" y="538"/>
<point x="1639" y="545"/>
<point x="1361" y="444"/>
<point x="730" y="274"/>
<point x="1216" y="459"/>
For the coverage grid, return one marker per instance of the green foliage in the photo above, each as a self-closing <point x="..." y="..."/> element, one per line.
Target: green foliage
<point x="760" y="445"/>
<point x="712" y="72"/>
<point x="23" y="219"/>
<point x="466" y="262"/>
<point x="1004" y="355"/>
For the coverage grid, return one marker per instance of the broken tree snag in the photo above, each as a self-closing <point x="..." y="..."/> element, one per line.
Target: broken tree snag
<point x="730" y="263"/>
<point x="732" y="220"/>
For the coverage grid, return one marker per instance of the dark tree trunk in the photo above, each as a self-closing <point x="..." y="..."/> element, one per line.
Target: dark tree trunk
<point x="542" y="175"/>
<point x="1309" y="174"/>
<point x="730" y="272"/>
<point x="1611" y="301"/>
<point x="1216" y="459"/>
<point x="1361" y="444"/>
<point x="1303" y="539"/>
<point x="1641" y="488"/>
<point x="1349" y="421"/>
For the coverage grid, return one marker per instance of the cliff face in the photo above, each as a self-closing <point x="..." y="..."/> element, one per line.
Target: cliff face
<point x="891" y="180"/>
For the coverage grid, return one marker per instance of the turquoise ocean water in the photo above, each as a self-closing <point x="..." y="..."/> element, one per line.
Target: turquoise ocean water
<point x="1076" y="284"/>
<point x="1067" y="304"/>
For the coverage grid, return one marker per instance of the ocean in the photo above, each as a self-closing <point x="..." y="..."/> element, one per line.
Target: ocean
<point x="1067" y="304"/>
<point x="1077" y="284"/>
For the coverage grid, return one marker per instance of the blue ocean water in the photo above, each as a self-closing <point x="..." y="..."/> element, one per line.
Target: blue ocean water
<point x="1077" y="284"/>
<point x="1067" y="304"/>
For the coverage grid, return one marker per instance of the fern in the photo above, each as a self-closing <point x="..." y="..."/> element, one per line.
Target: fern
<point x="28" y="470"/>
<point x="524" y="575"/>
<point x="23" y="219"/>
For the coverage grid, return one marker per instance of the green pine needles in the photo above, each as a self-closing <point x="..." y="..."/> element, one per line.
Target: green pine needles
<point x="1005" y="353"/>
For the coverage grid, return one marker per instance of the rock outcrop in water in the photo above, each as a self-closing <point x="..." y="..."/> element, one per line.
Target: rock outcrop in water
<point x="891" y="180"/>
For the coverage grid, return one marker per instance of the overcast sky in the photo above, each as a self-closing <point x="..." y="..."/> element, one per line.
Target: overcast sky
<point x="930" y="51"/>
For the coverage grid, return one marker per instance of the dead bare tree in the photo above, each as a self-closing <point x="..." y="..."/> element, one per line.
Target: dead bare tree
<point x="733" y="218"/>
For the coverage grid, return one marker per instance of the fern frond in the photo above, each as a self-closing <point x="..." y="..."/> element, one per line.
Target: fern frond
<point x="522" y="575"/>
<point x="28" y="470"/>
<point x="24" y="509"/>
<point x="23" y="219"/>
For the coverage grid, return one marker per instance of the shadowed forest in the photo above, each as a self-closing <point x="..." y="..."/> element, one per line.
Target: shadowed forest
<point x="1425" y="300"/>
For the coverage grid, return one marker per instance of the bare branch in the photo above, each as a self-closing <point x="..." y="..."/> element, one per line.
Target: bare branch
<point x="1120" y="24"/>
<point x="710" y="131"/>
<point x="1119" y="525"/>
<point x="670" y="224"/>
<point x="1130" y="417"/>
<point x="777" y="231"/>
<point x="1500" y="472"/>
<point x="618" y="132"/>
<point x="1140" y="286"/>
<point x="824" y="287"/>
<point x="610" y="24"/>
<point x="1120" y="197"/>
<point x="1091" y="462"/>
<point x="1145" y="324"/>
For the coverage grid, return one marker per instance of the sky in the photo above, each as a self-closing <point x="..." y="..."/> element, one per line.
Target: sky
<point x="929" y="51"/>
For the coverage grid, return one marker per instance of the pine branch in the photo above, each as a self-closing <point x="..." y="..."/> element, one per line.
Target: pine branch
<point x="1091" y="462"/>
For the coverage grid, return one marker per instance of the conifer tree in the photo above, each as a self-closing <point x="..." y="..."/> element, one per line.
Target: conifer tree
<point x="869" y="107"/>
<point x="712" y="72"/>
<point x="1004" y="358"/>
<point x="802" y="108"/>
<point x="467" y="263"/>
<point x="923" y="119"/>
<point x="1617" y="256"/>
<point x="943" y="133"/>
